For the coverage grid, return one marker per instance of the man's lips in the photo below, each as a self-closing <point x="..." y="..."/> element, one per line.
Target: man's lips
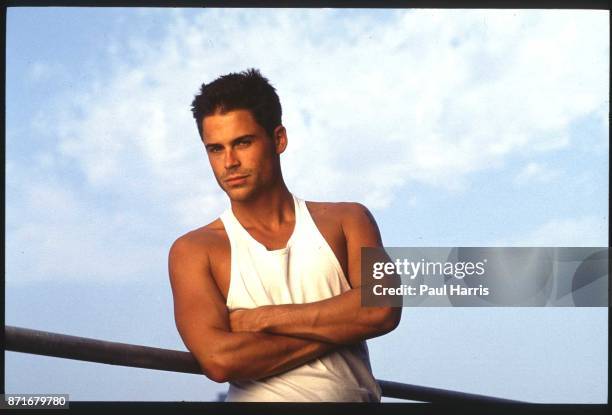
<point x="235" y="179"/>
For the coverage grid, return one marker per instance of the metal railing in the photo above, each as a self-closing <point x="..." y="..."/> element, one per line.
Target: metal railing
<point x="18" y="339"/>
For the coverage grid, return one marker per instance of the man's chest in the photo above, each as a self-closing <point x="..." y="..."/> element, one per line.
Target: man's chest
<point x="220" y="257"/>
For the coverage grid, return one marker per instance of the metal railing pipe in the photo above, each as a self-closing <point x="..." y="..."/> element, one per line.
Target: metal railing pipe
<point x="45" y="343"/>
<point x="434" y="395"/>
<point x="18" y="339"/>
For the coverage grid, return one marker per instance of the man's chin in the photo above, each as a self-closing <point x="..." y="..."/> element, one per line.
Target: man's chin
<point x="240" y="194"/>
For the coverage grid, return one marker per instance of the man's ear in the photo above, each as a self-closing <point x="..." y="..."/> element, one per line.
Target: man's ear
<point x="280" y="139"/>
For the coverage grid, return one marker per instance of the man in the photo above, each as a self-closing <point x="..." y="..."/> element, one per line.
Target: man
<point x="267" y="296"/>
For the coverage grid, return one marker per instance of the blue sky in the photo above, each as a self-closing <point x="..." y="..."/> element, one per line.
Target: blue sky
<point x="456" y="128"/>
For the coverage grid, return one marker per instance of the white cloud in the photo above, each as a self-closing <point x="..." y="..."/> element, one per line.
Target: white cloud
<point x="535" y="173"/>
<point x="582" y="231"/>
<point x="429" y="96"/>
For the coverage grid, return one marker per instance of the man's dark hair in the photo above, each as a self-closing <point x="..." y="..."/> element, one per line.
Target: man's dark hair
<point x="247" y="90"/>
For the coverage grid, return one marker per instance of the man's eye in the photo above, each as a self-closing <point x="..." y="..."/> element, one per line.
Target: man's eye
<point x="213" y="149"/>
<point x="243" y="143"/>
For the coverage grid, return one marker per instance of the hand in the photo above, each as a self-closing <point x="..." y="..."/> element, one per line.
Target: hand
<point x="243" y="320"/>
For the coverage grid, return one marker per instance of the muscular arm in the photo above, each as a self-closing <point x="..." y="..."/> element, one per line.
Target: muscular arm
<point x="340" y="319"/>
<point x="203" y="322"/>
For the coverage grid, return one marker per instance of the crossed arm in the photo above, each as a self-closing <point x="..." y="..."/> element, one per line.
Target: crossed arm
<point x="202" y="320"/>
<point x="271" y="339"/>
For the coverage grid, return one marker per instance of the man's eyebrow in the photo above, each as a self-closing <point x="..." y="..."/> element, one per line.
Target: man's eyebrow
<point x="212" y="145"/>
<point x="242" y="137"/>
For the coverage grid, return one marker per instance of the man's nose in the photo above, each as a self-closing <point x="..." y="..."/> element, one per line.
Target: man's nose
<point x="230" y="159"/>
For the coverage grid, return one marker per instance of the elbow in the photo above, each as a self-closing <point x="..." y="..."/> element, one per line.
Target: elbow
<point x="215" y="369"/>
<point x="218" y="375"/>
<point x="215" y="360"/>
<point x="389" y="318"/>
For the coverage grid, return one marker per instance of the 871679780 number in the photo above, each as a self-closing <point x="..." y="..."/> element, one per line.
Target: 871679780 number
<point x="34" y="401"/>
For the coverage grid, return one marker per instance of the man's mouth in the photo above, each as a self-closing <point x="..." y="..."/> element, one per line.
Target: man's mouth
<point x="236" y="179"/>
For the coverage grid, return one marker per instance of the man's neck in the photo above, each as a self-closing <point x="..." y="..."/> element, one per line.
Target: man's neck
<point x="269" y="210"/>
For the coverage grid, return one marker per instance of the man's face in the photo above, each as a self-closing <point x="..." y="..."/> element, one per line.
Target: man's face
<point x="244" y="159"/>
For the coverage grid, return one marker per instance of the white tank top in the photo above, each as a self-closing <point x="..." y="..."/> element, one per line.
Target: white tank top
<point x="306" y="270"/>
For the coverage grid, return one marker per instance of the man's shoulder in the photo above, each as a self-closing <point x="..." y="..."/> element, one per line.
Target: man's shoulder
<point x="353" y="219"/>
<point x="201" y="240"/>
<point x="338" y="210"/>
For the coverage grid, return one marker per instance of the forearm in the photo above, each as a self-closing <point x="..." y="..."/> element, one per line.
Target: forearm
<point x="248" y="356"/>
<point x="340" y="319"/>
